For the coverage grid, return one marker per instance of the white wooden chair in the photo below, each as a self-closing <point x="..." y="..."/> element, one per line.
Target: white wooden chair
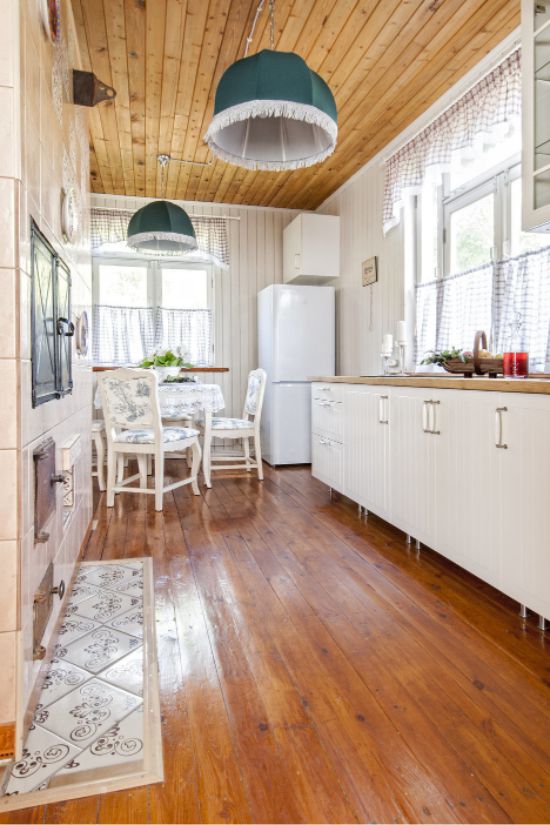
<point x="133" y="426"/>
<point x="98" y="434"/>
<point x="243" y="428"/>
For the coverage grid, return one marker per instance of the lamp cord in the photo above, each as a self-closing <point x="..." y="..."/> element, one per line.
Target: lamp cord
<point x="259" y="10"/>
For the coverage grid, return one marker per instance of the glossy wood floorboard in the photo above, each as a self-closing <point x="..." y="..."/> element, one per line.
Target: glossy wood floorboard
<point x="313" y="668"/>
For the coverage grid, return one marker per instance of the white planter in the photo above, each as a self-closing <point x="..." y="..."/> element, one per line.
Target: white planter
<point x="164" y="372"/>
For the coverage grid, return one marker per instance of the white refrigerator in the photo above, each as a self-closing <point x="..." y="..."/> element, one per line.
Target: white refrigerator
<point x="296" y="341"/>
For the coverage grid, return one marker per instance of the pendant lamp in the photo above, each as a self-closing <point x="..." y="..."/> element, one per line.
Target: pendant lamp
<point x="271" y="111"/>
<point x="161" y="226"/>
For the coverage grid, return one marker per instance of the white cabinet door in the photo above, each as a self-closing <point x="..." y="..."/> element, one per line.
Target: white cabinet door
<point x="412" y="464"/>
<point x="327" y="461"/>
<point x="467" y="503"/>
<point x="311" y="249"/>
<point x="327" y="410"/>
<point x="366" y="447"/>
<point x="525" y="499"/>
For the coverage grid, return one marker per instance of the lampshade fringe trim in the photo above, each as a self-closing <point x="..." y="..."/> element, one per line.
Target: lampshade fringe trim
<point x="272" y="108"/>
<point x="135" y="241"/>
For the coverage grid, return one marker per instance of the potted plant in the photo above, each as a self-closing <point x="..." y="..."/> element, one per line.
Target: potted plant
<point x="165" y="362"/>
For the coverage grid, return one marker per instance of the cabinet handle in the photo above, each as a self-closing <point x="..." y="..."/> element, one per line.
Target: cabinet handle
<point x="296" y="260"/>
<point x="426" y="417"/>
<point x="324" y="442"/>
<point x="382" y="418"/>
<point x="498" y="428"/>
<point x="433" y="429"/>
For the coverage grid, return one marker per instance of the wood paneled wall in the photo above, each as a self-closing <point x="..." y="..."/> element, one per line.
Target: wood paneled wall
<point x="255" y="251"/>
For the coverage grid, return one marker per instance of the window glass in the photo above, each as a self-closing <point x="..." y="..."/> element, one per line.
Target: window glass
<point x="184" y="288"/>
<point x="522" y="241"/>
<point x="472" y="234"/>
<point x="465" y="170"/>
<point x="122" y="286"/>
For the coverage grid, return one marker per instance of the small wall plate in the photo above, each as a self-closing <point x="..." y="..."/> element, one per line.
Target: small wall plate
<point x="70" y="214"/>
<point x="82" y="333"/>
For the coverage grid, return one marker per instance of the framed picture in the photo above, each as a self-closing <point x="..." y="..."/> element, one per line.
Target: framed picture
<point x="370" y="271"/>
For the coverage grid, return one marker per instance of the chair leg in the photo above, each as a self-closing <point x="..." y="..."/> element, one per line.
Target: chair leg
<point x="246" y="445"/>
<point x="195" y="466"/>
<point x="206" y="456"/>
<point x="149" y="464"/>
<point x="100" y="460"/>
<point x="121" y="463"/>
<point x="159" y="480"/>
<point x="258" y="451"/>
<point x="111" y="475"/>
<point x="142" y="464"/>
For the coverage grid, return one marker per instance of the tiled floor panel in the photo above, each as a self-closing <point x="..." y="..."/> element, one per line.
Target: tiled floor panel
<point x="90" y="712"/>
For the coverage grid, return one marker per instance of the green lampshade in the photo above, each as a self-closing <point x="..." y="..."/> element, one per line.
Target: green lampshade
<point x="272" y="112"/>
<point x="161" y="226"/>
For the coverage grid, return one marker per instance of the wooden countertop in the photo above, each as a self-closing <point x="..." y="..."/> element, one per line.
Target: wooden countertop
<point x="524" y="385"/>
<point x="104" y="367"/>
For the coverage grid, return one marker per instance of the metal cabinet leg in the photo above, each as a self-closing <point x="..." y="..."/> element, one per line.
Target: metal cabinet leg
<point x="542" y="623"/>
<point x="408" y="539"/>
<point x="418" y="545"/>
<point x="330" y="493"/>
<point x="523" y="612"/>
<point x="360" y="510"/>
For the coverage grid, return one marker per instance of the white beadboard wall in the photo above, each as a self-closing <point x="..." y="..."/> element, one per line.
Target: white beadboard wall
<point x="255" y="252"/>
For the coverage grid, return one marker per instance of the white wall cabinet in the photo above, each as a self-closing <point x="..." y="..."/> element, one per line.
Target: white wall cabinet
<point x="536" y="114"/>
<point x="465" y="472"/>
<point x="311" y="249"/>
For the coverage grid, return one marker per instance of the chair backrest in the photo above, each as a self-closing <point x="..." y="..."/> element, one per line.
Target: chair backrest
<point x="129" y="398"/>
<point x="255" y="392"/>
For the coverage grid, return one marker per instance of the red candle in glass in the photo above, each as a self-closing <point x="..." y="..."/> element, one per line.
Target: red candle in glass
<point x="516" y="364"/>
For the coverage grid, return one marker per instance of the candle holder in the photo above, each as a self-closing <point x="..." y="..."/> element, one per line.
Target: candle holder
<point x="402" y="348"/>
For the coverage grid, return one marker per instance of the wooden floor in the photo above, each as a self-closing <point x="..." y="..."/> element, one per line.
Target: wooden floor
<point x="313" y="669"/>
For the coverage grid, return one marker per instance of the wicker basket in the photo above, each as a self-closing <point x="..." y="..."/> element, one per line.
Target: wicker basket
<point x="478" y="366"/>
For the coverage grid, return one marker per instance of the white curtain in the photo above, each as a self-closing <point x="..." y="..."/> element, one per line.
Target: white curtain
<point x="486" y="112"/>
<point x="509" y="299"/>
<point x="125" y="335"/>
<point x="110" y="227"/>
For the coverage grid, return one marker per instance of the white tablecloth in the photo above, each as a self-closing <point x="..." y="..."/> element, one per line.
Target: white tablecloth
<point x="184" y="400"/>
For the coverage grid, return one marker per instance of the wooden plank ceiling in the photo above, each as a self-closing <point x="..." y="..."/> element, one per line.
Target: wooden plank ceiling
<point x="386" y="62"/>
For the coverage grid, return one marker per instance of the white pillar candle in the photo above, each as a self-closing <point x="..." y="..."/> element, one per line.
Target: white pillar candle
<point x="387" y="344"/>
<point x="401" y="332"/>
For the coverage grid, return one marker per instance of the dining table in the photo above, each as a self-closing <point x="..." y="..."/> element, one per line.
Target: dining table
<point x="188" y="399"/>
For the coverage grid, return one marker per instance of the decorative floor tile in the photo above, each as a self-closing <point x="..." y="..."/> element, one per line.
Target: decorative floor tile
<point x="111" y="576"/>
<point x="106" y="606"/>
<point x="82" y="715"/>
<point x="130" y="622"/>
<point x="44" y="753"/>
<point x="80" y="593"/>
<point x="121" y="744"/>
<point x="98" y="650"/>
<point x="74" y="627"/>
<point x="126" y="673"/>
<point x="61" y="678"/>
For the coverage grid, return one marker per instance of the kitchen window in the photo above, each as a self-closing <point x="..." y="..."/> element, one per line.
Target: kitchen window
<point x="140" y="306"/>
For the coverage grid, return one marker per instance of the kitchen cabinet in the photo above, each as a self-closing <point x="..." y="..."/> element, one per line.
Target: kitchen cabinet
<point x="523" y="429"/>
<point x="536" y="114"/>
<point x="466" y="473"/>
<point x="311" y="249"/>
<point x="366" y="447"/>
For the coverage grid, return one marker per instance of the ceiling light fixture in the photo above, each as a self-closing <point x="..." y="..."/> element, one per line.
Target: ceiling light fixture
<point x="161" y="227"/>
<point x="272" y="111"/>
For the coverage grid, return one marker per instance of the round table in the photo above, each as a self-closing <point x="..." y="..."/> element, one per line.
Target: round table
<point x="185" y="400"/>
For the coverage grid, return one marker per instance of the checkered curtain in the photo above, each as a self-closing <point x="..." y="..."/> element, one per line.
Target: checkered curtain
<point x="125" y="335"/>
<point x="509" y="299"/>
<point x="110" y="226"/>
<point x="481" y="114"/>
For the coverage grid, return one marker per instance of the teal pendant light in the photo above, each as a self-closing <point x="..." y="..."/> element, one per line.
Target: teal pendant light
<point x="161" y="227"/>
<point x="272" y="112"/>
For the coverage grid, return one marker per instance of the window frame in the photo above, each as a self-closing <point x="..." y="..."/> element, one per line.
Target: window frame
<point x="496" y="180"/>
<point x="154" y="282"/>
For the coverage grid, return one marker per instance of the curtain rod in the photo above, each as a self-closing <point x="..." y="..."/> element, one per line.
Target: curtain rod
<point x="191" y="214"/>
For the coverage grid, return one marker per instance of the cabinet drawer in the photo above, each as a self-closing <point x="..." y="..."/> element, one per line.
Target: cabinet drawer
<point x="327" y="410"/>
<point x="327" y="460"/>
